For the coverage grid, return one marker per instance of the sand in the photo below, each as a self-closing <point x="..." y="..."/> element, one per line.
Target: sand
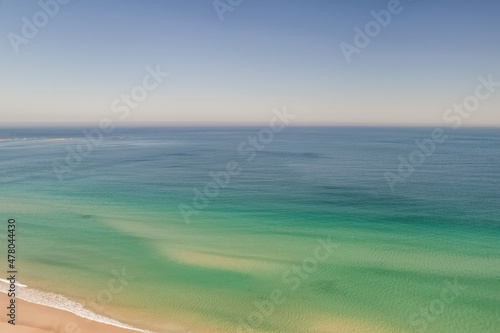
<point x="34" y="318"/>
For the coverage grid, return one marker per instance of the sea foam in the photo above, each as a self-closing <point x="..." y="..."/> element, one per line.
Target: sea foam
<point x="62" y="303"/>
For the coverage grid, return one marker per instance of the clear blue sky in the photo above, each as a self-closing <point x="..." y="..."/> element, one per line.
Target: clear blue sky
<point x="264" y="54"/>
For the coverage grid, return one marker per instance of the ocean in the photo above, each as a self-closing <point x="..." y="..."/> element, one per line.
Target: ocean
<point x="244" y="229"/>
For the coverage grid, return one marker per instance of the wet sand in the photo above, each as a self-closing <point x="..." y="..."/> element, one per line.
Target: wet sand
<point x="34" y="318"/>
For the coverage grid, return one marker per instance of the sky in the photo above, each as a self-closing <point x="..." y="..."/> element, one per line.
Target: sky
<point x="234" y="61"/>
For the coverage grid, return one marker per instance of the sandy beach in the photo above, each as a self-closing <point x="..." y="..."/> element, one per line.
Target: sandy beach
<point x="34" y="318"/>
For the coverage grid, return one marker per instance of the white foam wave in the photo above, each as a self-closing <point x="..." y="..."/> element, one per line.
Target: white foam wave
<point x="16" y="283"/>
<point x="62" y="303"/>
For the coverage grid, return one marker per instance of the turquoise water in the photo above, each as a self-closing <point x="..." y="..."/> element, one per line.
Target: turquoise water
<point x="422" y="256"/>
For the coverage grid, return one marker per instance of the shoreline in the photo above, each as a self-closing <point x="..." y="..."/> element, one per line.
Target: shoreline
<point x="39" y="311"/>
<point x="36" y="318"/>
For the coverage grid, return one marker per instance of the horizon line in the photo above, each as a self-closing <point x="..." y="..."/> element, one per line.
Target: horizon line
<point x="27" y="124"/>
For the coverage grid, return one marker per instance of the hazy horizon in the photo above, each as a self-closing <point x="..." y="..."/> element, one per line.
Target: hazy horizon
<point x="228" y="124"/>
<point x="81" y="63"/>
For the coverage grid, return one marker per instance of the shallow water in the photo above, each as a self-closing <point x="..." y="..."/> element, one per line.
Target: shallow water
<point x="422" y="257"/>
